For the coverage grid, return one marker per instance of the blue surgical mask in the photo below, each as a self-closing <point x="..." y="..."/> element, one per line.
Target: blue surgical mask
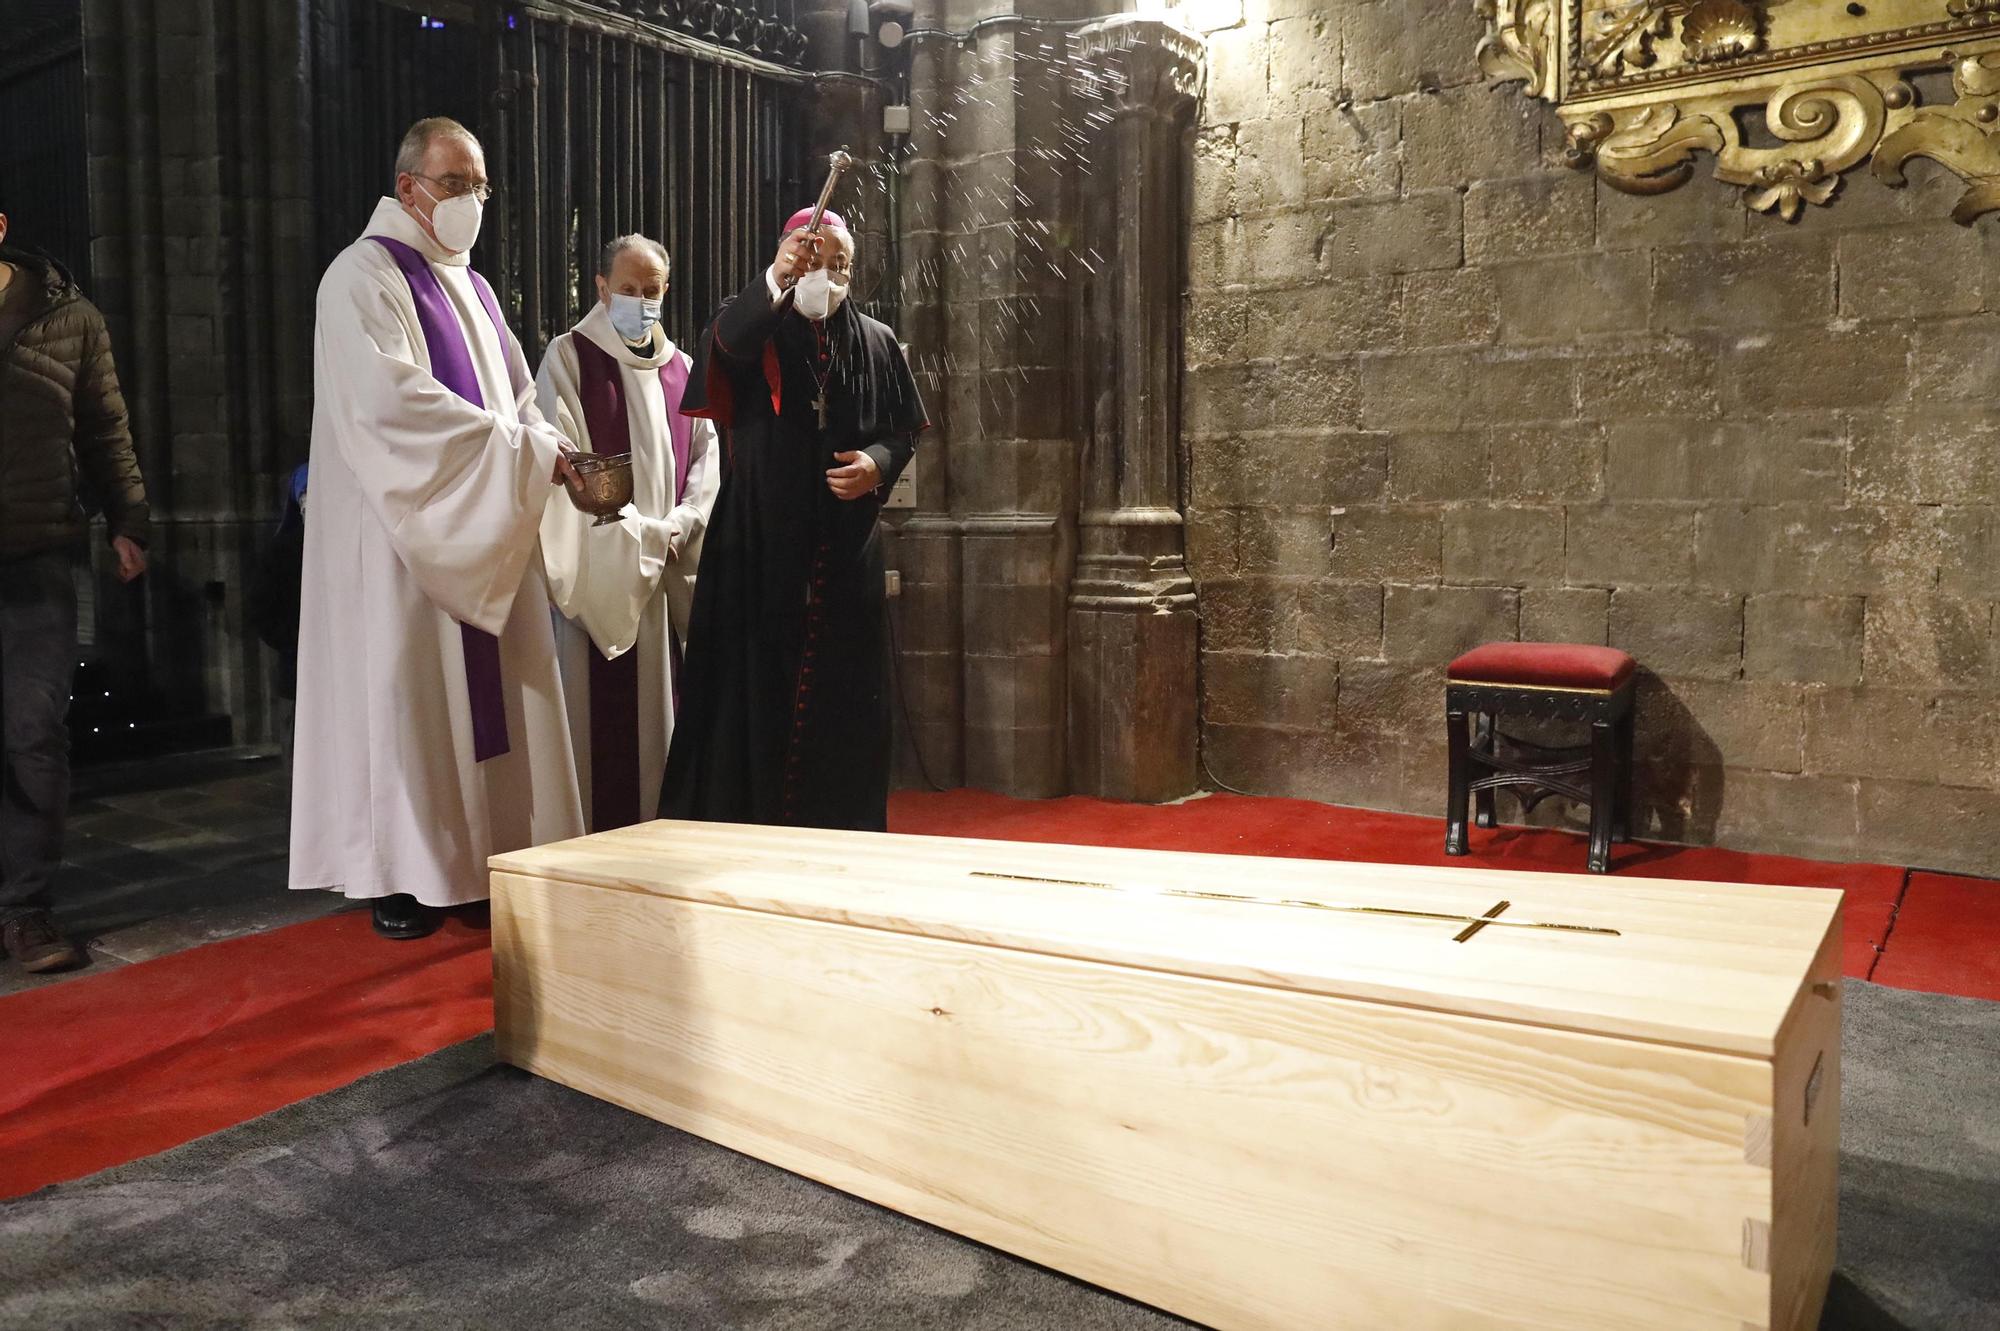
<point x="634" y="317"/>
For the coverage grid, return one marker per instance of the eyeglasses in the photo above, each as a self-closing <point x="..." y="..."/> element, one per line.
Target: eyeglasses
<point x="458" y="186"/>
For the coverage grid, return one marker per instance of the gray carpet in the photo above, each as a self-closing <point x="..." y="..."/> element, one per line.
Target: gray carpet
<point x="454" y="1194"/>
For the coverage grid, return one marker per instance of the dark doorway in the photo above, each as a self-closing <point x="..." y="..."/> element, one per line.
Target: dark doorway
<point x="44" y="167"/>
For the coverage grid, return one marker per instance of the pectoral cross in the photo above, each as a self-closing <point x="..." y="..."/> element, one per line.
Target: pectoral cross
<point x="819" y="405"/>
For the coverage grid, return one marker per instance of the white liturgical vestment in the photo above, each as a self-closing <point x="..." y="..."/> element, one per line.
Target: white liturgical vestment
<point x="615" y="587"/>
<point x="426" y="511"/>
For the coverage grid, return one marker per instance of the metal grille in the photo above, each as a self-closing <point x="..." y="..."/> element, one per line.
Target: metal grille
<point x="593" y="125"/>
<point x="43" y="163"/>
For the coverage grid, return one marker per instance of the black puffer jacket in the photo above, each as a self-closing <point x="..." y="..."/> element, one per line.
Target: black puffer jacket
<point x="65" y="446"/>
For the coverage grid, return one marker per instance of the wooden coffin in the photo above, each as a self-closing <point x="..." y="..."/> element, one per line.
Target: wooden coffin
<point x="1255" y="1113"/>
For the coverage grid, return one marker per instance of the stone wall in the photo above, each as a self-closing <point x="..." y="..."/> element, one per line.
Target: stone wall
<point x="1443" y="389"/>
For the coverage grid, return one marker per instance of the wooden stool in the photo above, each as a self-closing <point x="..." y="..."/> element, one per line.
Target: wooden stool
<point x="1554" y="681"/>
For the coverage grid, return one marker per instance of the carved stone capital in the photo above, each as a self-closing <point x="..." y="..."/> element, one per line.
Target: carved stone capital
<point x="1138" y="64"/>
<point x="1645" y="86"/>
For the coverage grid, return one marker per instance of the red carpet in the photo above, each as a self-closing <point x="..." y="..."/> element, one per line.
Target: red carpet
<point x="1947" y="937"/>
<point x="152" y="1055"/>
<point x="108" y="1068"/>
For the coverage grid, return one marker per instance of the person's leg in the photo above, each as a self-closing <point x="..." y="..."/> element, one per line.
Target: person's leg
<point x="285" y="716"/>
<point x="37" y="668"/>
<point x="37" y="665"/>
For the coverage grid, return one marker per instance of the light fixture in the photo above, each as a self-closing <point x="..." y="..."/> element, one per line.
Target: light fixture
<point x="890" y="20"/>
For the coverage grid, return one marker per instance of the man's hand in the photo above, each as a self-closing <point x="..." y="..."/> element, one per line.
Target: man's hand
<point x="564" y="472"/>
<point x="798" y="254"/>
<point x="131" y="558"/>
<point x="859" y="477"/>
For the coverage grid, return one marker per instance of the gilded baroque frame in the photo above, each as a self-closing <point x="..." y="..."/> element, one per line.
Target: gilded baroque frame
<point x="1642" y="86"/>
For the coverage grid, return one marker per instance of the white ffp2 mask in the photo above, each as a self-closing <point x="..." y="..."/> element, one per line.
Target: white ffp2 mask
<point x="820" y="293"/>
<point x="455" y="221"/>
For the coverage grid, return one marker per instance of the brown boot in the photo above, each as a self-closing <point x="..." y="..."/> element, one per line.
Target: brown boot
<point x="32" y="939"/>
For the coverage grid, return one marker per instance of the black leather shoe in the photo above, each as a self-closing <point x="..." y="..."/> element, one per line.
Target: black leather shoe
<point x="403" y="916"/>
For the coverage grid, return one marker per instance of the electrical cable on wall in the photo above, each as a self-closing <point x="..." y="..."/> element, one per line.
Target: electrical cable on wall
<point x="997" y="20"/>
<point x="1201" y="699"/>
<point x="903" y="703"/>
<point x="1200" y="633"/>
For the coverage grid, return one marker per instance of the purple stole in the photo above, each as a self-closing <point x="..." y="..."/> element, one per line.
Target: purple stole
<point x="614" y="685"/>
<point x="451" y="365"/>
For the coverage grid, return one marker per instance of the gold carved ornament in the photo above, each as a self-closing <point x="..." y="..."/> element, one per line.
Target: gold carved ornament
<point x="1785" y="94"/>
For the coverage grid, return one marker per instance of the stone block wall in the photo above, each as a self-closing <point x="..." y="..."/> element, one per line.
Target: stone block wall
<point x="1442" y="389"/>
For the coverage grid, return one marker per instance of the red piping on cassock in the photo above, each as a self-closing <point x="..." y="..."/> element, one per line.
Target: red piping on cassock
<point x="721" y="406"/>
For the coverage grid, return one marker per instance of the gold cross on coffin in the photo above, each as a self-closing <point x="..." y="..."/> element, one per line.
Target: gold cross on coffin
<point x="1473" y="923"/>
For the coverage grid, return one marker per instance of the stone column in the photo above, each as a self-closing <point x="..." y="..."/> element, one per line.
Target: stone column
<point x="927" y="549"/>
<point x="987" y="194"/>
<point x="1132" y="622"/>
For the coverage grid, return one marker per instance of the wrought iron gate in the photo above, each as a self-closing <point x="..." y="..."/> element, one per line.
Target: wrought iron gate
<point x="594" y="123"/>
<point x="43" y="161"/>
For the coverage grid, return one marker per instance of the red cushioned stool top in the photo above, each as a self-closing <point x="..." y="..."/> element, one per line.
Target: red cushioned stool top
<point x="1561" y="665"/>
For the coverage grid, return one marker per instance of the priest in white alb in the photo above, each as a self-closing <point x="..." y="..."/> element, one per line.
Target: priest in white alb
<point x="430" y="731"/>
<point x="613" y="385"/>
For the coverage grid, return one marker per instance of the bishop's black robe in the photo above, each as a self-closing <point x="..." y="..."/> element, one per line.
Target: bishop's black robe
<point x="784" y="707"/>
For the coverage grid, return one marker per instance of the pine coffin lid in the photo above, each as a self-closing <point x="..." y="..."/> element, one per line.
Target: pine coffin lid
<point x="1709" y="966"/>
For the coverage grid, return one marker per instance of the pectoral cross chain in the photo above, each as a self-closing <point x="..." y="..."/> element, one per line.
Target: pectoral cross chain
<point x="821" y="372"/>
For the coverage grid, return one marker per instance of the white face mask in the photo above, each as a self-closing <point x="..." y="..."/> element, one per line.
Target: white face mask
<point x="455" y="221"/>
<point x="820" y="293"/>
<point x="634" y="316"/>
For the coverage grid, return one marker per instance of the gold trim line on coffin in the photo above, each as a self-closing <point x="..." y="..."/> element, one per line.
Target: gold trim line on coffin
<point x="1477" y="922"/>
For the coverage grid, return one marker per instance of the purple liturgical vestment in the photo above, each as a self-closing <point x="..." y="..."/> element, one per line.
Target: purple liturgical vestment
<point x="621" y="591"/>
<point x="431" y="730"/>
<point x="451" y="365"/>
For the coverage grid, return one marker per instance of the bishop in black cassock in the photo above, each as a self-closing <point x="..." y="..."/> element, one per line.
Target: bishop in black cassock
<point x="784" y="707"/>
